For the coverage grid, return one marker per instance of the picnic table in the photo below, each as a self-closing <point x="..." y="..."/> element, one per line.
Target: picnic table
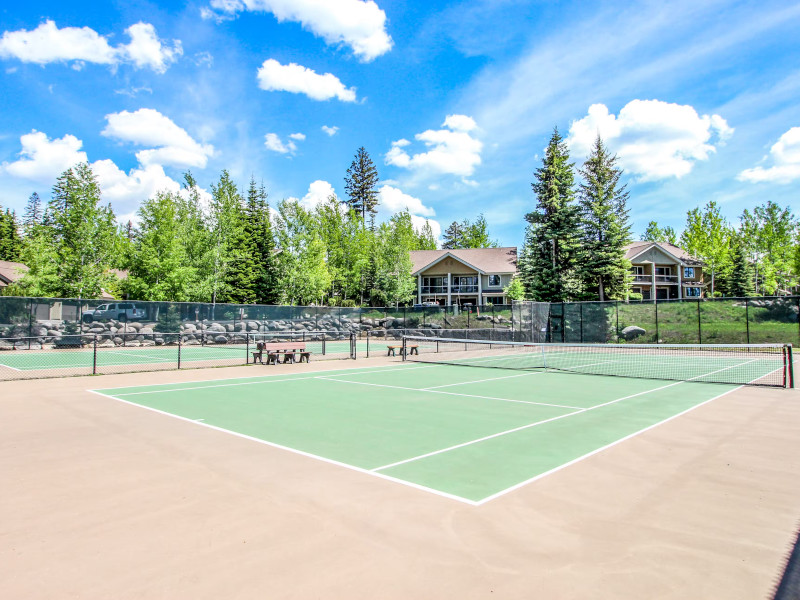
<point x="392" y="348"/>
<point x="274" y="350"/>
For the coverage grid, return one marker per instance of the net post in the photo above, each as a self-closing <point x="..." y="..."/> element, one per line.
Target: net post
<point x="180" y="337"/>
<point x="353" y="347"/>
<point x="247" y="348"/>
<point x="747" y="317"/>
<point x="403" y="349"/>
<point x="791" y="365"/>
<point x="367" y="344"/>
<point x="94" y="357"/>
<point x="323" y="342"/>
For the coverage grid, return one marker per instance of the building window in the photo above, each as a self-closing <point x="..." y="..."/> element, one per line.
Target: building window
<point x="692" y="292"/>
<point x="688" y="272"/>
<point x="494" y="280"/>
<point x="637" y="270"/>
<point x="663" y="270"/>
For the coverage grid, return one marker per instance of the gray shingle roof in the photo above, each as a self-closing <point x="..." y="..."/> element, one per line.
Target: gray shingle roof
<point x="486" y="260"/>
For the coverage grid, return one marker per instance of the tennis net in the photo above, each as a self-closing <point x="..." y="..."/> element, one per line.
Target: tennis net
<point x="737" y="364"/>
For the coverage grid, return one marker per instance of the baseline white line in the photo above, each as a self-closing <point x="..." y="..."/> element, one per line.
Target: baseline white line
<point x="430" y="391"/>
<point x="579" y="411"/>
<point x="296" y="451"/>
<point x="598" y="450"/>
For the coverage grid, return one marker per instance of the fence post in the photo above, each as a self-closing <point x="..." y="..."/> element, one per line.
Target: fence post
<point x="180" y="336"/>
<point x="563" y="325"/>
<point x="616" y="330"/>
<point x="699" y="325"/>
<point x="581" y="305"/>
<point x="747" y="317"/>
<point x="30" y="322"/>
<point x="247" y="348"/>
<point x="367" y="344"/>
<point x="655" y="307"/>
<point x="94" y="358"/>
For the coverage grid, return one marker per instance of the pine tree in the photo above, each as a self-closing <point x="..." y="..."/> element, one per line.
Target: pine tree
<point x="33" y="213"/>
<point x="361" y="185"/>
<point x="259" y="231"/>
<point x="740" y="281"/>
<point x="606" y="226"/>
<point x="453" y="237"/>
<point x="234" y="272"/>
<point x="10" y="241"/>
<point x="548" y="264"/>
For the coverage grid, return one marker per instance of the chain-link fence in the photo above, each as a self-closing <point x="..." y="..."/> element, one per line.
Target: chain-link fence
<point x="121" y="352"/>
<point x="704" y="321"/>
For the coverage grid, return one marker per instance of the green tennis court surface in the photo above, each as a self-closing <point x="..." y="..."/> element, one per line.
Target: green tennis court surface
<point x="32" y="360"/>
<point x="467" y="432"/>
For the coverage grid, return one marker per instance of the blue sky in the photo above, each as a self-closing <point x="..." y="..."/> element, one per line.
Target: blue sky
<point x="454" y="101"/>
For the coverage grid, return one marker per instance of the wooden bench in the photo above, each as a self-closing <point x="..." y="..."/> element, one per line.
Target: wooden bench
<point x="392" y="348"/>
<point x="275" y="349"/>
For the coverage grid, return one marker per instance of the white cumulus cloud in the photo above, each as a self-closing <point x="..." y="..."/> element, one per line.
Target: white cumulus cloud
<point x="653" y="140"/>
<point x="273" y="142"/>
<point x="318" y="193"/>
<point x="451" y="151"/>
<point x="297" y="79"/>
<point x="785" y="155"/>
<point x="148" y="127"/>
<point x="42" y="159"/>
<point x="298" y="136"/>
<point x="331" y="131"/>
<point x="394" y="200"/>
<point x="47" y="43"/>
<point x="356" y="23"/>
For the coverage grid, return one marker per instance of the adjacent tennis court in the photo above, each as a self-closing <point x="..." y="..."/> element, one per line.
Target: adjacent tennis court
<point x="471" y="432"/>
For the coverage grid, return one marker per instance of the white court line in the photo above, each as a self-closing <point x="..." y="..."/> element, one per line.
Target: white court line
<point x="296" y="451"/>
<point x="207" y="387"/>
<point x="430" y="391"/>
<point x="436" y="387"/>
<point x="12" y="368"/>
<point x="579" y="411"/>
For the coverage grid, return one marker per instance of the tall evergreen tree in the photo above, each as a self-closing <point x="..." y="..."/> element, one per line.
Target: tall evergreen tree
<point x="549" y="260"/>
<point x="740" y="281"/>
<point x="233" y="272"/>
<point x="259" y="231"/>
<point x="10" y="241"/>
<point x="33" y="213"/>
<point x="606" y="226"/>
<point x="361" y="184"/>
<point x="453" y="237"/>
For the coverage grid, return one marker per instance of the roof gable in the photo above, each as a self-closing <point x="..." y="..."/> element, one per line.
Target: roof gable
<point x="482" y="260"/>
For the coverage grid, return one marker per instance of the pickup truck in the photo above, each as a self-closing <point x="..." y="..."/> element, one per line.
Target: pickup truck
<point x="121" y="311"/>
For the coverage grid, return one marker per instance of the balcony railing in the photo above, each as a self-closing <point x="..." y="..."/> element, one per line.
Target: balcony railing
<point x="666" y="279"/>
<point x="434" y="289"/>
<point x="642" y="278"/>
<point x="464" y="289"/>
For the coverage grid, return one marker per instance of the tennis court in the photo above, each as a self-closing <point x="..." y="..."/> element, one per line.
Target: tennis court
<point x="453" y="423"/>
<point x="86" y="360"/>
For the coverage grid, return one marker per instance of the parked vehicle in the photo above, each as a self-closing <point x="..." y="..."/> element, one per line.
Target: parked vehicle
<point x="121" y="311"/>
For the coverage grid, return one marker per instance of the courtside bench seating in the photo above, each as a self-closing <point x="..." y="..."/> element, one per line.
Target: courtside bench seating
<point x="274" y="350"/>
<point x="392" y="348"/>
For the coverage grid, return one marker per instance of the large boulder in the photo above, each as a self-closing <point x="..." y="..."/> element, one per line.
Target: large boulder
<point x="221" y="339"/>
<point x="631" y="332"/>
